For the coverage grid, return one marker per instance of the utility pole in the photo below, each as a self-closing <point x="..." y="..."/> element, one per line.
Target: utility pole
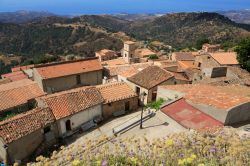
<point x="143" y="94"/>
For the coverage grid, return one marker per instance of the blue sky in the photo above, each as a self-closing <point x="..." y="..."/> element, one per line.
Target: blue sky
<point x="73" y="7"/>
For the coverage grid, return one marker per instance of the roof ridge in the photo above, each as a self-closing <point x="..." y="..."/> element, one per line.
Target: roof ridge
<point x="31" y="83"/>
<point x="66" y="92"/>
<point x="24" y="114"/>
<point x="104" y="86"/>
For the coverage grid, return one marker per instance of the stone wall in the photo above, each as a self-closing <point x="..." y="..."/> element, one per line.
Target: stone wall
<point x="110" y="108"/>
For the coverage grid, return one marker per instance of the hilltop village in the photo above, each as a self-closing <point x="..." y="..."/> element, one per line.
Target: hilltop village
<point x="41" y="105"/>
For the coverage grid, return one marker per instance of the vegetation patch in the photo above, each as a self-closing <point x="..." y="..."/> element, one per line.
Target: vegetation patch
<point x="221" y="146"/>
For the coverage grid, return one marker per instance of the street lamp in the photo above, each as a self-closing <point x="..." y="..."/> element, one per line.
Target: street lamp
<point x="143" y="94"/>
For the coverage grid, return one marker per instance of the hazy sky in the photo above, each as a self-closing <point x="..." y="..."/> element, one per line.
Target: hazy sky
<point x="121" y="6"/>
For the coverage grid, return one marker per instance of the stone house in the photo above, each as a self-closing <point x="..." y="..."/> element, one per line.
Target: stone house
<point x="181" y="78"/>
<point x="67" y="75"/>
<point x="22" y="135"/>
<point x="215" y="64"/>
<point x="18" y="96"/>
<point x="119" y="98"/>
<point x="227" y="104"/>
<point x="105" y="54"/>
<point x="73" y="108"/>
<point x="210" y="47"/>
<point x="148" y="79"/>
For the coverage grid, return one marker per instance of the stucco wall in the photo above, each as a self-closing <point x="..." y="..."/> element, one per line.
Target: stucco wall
<point x="68" y="82"/>
<point x="38" y="79"/>
<point x="79" y="118"/>
<point x="238" y="114"/>
<point x="2" y="150"/>
<point x="24" y="147"/>
<point x="109" y="109"/>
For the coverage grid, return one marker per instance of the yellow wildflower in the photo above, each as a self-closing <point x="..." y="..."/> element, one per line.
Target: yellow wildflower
<point x="169" y="142"/>
<point x="98" y="162"/>
<point x="193" y="156"/>
<point x="189" y="160"/>
<point x="180" y="162"/>
<point x="76" y="162"/>
<point x="134" y="160"/>
<point x="201" y="164"/>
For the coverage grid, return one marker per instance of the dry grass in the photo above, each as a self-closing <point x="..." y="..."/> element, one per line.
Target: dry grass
<point x="213" y="147"/>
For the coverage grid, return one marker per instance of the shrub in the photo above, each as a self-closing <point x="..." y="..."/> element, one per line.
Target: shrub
<point x="222" y="146"/>
<point x="156" y="104"/>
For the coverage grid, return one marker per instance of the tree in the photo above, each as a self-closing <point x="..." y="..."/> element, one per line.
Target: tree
<point x="200" y="42"/>
<point x="243" y="53"/>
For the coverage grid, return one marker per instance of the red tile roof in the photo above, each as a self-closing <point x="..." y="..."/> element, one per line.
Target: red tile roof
<point x="15" y="76"/>
<point x="21" y="68"/>
<point x="188" y="116"/>
<point x="106" y="52"/>
<point x="126" y="70"/>
<point x="150" y="77"/>
<point x="23" y="124"/>
<point x="144" y="52"/>
<point x="180" y="76"/>
<point x="69" y="68"/>
<point x="114" y="62"/>
<point x="17" y="93"/>
<point x="115" y="92"/>
<point x="221" y="97"/>
<point x="225" y="58"/>
<point x="184" y="56"/>
<point x="72" y="101"/>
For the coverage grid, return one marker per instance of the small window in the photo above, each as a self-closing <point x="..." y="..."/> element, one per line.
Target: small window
<point x="46" y="129"/>
<point x="109" y="104"/>
<point x="78" y="79"/>
<point x="175" y="82"/>
<point x="199" y="64"/>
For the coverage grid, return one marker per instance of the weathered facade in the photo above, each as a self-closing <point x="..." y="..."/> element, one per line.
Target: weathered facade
<point x="227" y="104"/>
<point x="118" y="97"/>
<point x="147" y="81"/>
<point x="35" y="128"/>
<point x="73" y="108"/>
<point x="68" y="75"/>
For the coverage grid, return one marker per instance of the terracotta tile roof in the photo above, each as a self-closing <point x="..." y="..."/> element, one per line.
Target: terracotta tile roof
<point x="69" y="68"/>
<point x="23" y="124"/>
<point x="225" y="58"/>
<point x="18" y="93"/>
<point x="184" y="56"/>
<point x="144" y="52"/>
<point x="15" y="76"/>
<point x="187" y="64"/>
<point x="150" y="77"/>
<point x="106" y="52"/>
<point x="114" y="62"/>
<point x="115" y="91"/>
<point x="221" y="97"/>
<point x="21" y="68"/>
<point x="125" y="69"/>
<point x="72" y="101"/>
<point x="180" y="76"/>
